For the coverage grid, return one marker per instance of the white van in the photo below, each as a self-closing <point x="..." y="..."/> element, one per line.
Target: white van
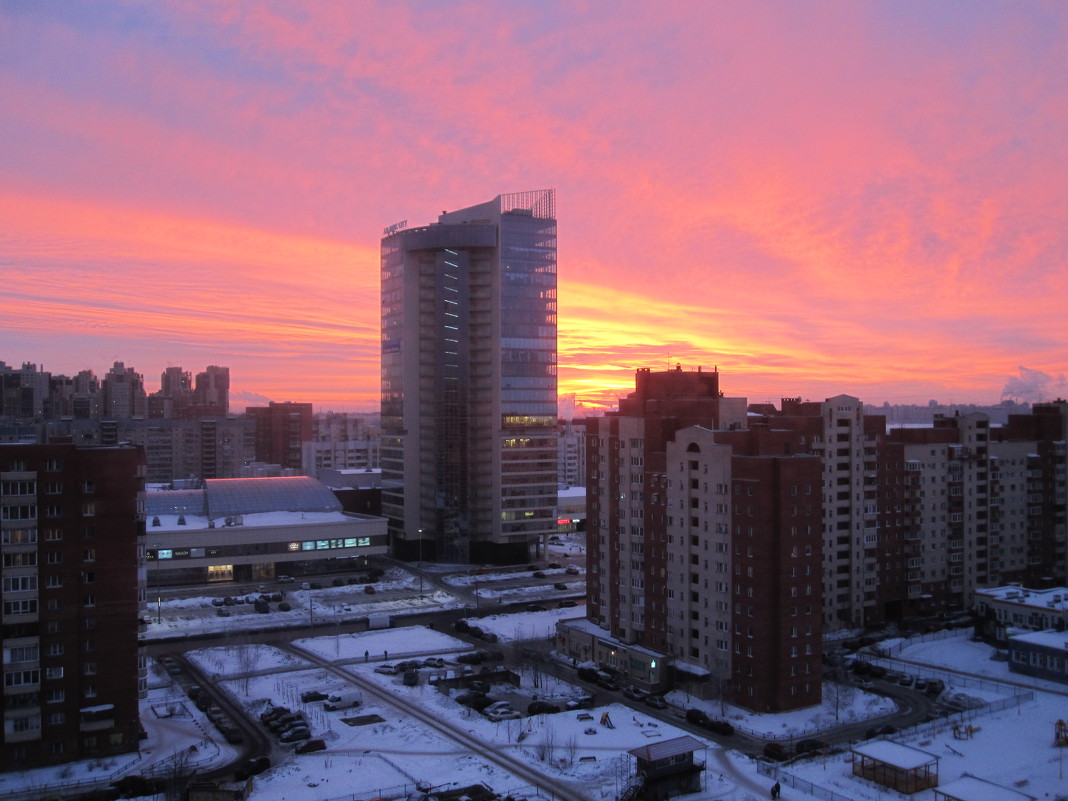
<point x="343" y="699"/>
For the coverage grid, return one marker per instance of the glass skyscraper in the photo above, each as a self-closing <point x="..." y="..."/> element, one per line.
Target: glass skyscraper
<point x="469" y="381"/>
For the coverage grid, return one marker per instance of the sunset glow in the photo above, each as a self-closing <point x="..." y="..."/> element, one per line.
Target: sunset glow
<point x="819" y="198"/>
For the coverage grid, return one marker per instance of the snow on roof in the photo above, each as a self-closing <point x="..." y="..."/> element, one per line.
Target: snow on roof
<point x="972" y="788"/>
<point x="668" y="748"/>
<point x="169" y="523"/>
<point x="895" y="754"/>
<point x="1048" y="639"/>
<point x="1048" y="598"/>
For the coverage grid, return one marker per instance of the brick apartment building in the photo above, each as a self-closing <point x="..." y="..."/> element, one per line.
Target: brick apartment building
<point x="723" y="544"/>
<point x="71" y="535"/>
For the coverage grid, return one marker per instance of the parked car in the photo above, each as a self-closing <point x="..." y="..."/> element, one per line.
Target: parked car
<point x="409" y="664"/>
<point x="776" y="751"/>
<point x="634" y="693"/>
<point x="222" y="611"/>
<point x="696" y="717"/>
<point x="539" y="574"/>
<point x="865" y="684"/>
<point x="720" y="727"/>
<point x="342" y="699"/>
<point x="252" y="767"/>
<point x="387" y="669"/>
<point x="567" y="603"/>
<point x="498" y="706"/>
<point x="559" y="586"/>
<point x="293" y="735"/>
<point x="656" y="701"/>
<point x="542" y="708"/>
<point x="310" y="696"/>
<point x="274" y="712"/>
<point x="471" y="658"/>
<point x="369" y="589"/>
<point x="310" y="746"/>
<point x="411" y="678"/>
<point x="607" y="682"/>
<point x="216" y="601"/>
<point x="461" y="626"/>
<point x="906" y="681"/>
<point x="284" y="606"/>
<point x="585" y="701"/>
<point x="286" y="579"/>
<point x="878" y="731"/>
<point x="232" y="735"/>
<point x="489" y="636"/>
<point x="572" y="570"/>
<point x="475" y="631"/>
<point x="808" y="745"/>
<point x="503" y="714"/>
<point x="434" y="662"/>
<point x="935" y="686"/>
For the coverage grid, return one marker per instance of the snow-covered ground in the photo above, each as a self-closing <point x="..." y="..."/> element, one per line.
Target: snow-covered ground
<point x="387" y="754"/>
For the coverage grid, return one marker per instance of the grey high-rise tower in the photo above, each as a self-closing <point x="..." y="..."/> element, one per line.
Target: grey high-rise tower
<point x="469" y="381"/>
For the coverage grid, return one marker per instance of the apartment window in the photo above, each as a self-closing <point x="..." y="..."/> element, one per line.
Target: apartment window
<point x="55" y="649"/>
<point x="89" y="668"/>
<point x="54" y="488"/>
<point x="54" y="672"/>
<point x="19" y="536"/>
<point x="54" y="558"/>
<point x="56" y="719"/>
<point x="89" y="554"/>
<point x="88" y="577"/>
<point x="53" y="465"/>
<point x="89" y="509"/>
<point x="90" y="691"/>
<point x="55" y="697"/>
<point x="26" y="606"/>
<point x="53" y="510"/>
<point x="53" y="534"/>
<point x="89" y="600"/>
<point x="20" y="583"/>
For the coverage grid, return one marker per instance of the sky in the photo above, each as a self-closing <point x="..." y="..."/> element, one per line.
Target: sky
<point x="816" y="198"/>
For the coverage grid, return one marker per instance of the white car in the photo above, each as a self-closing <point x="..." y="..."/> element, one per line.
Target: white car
<point x="502" y="714"/>
<point x="387" y="669"/>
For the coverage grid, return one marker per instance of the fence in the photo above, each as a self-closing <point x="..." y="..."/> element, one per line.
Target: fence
<point x="935" y="726"/>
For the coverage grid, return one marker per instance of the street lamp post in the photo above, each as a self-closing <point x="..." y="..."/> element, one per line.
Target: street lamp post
<point x="420" y="563"/>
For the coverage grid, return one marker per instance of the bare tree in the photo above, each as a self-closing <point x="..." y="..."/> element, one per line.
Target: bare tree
<point x="547" y="746"/>
<point x="176" y="773"/>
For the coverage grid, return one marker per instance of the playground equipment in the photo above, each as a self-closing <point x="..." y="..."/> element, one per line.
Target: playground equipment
<point x="1060" y="734"/>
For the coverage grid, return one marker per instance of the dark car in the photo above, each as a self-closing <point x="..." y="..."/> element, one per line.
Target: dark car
<point x="656" y="701"/>
<point x="537" y="608"/>
<point x="696" y="717"/>
<point x="539" y="574"/>
<point x="567" y="603"/>
<point x="293" y="735"/>
<point x="274" y="712"/>
<point x="720" y="727"/>
<point x="588" y="673"/>
<point x="542" y="708"/>
<point x="809" y="745"/>
<point x="634" y="693"/>
<point x="471" y="658"/>
<point x="369" y="589"/>
<point x="489" y="636"/>
<point x="560" y="586"/>
<point x="308" y="696"/>
<point x="607" y="682"/>
<point x="311" y="746"/>
<point x="461" y="626"/>
<point x="253" y="767"/>
<point x="776" y="751"/>
<point x="572" y="571"/>
<point x="878" y="731"/>
<point x="586" y="701"/>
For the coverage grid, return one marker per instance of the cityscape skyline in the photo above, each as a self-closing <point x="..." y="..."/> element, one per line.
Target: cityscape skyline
<point x="853" y="198"/>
